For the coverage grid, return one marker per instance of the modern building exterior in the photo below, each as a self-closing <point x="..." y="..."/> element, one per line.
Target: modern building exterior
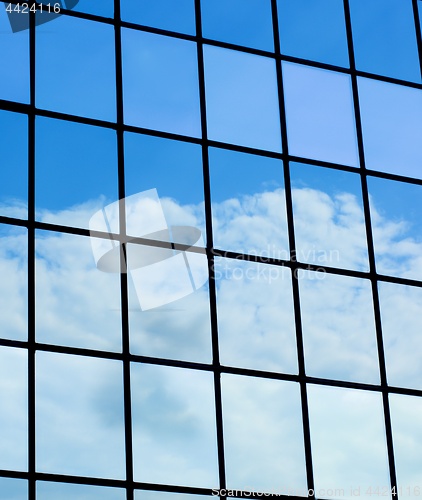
<point x="210" y="249"/>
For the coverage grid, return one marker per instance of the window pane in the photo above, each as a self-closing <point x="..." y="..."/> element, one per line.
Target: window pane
<point x="392" y="127"/>
<point x="14" y="282"/>
<point x="328" y="216"/>
<point x="14" y="164"/>
<point x="313" y="30"/>
<point x="320" y="117"/>
<point x="349" y="451"/>
<point x="242" y="99"/>
<point x="338" y="327"/>
<point x="76" y="171"/>
<point x="243" y="22"/>
<point x="173" y="426"/>
<point x="77" y="304"/>
<point x="164" y="495"/>
<point x="248" y="204"/>
<point x="384" y="38"/>
<point x="79" y="416"/>
<point x="160" y="83"/>
<point x="407" y="435"/>
<point x="97" y="7"/>
<point x="53" y="491"/>
<point x="263" y="435"/>
<point x="14" y="409"/>
<point x="14" y="67"/>
<point x="255" y="316"/>
<point x="75" y="68"/>
<point x="13" y="489"/>
<point x="396" y="215"/>
<point x="401" y="310"/>
<point x="164" y="14"/>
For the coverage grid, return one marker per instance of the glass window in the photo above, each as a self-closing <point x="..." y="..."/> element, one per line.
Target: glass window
<point x="248" y="204"/>
<point x="173" y="426"/>
<point x="14" y="282"/>
<point x="76" y="171"/>
<point x="14" y="68"/>
<point x="401" y="310"/>
<point x="338" y="327"/>
<point x="319" y="113"/>
<point x="97" y="7"/>
<point x="263" y="435"/>
<point x="349" y="451"/>
<point x="242" y="99"/>
<point x="242" y="22"/>
<point x="165" y="14"/>
<point x="77" y="304"/>
<point x="396" y="216"/>
<point x="160" y="83"/>
<point x="14" y="409"/>
<point x="384" y="38"/>
<point x="328" y="216"/>
<point x="53" y="491"/>
<point x="75" y="68"/>
<point x="79" y="416"/>
<point x="13" y="489"/>
<point x="313" y="30"/>
<point x="407" y="435"/>
<point x="13" y="164"/>
<point x="164" y="495"/>
<point x="255" y="316"/>
<point x="392" y="127"/>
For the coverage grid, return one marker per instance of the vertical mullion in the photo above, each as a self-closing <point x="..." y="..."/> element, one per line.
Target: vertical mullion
<point x="210" y="255"/>
<point x="31" y="264"/>
<point x="123" y="264"/>
<point x="418" y="30"/>
<point x="371" y="252"/>
<point x="293" y="256"/>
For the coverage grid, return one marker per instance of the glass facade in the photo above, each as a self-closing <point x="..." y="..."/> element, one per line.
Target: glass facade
<point x="210" y="249"/>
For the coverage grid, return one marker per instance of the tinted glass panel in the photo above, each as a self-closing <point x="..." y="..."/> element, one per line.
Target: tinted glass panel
<point x="75" y="68"/>
<point x="401" y="310"/>
<point x="243" y="22"/>
<point x="348" y="442"/>
<point x="242" y="100"/>
<point x="384" y="38"/>
<point x="160" y="83"/>
<point x="248" y="204"/>
<point x="392" y="127"/>
<point x="255" y="316"/>
<point x="164" y="495"/>
<point x="164" y="14"/>
<point x="53" y="491"/>
<point x="320" y="117"/>
<point x="263" y="435"/>
<point x="97" y="7"/>
<point x="338" y="327"/>
<point x="328" y="217"/>
<point x="313" y="30"/>
<point x="173" y="426"/>
<point x="79" y="416"/>
<point x="13" y="489"/>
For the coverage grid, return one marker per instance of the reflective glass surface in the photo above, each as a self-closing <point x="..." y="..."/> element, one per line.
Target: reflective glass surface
<point x="338" y="327"/>
<point x="164" y="495"/>
<point x="401" y="309"/>
<point x="174" y="438"/>
<point x="392" y="127"/>
<point x="248" y="203"/>
<point x="73" y="296"/>
<point x="384" y="38"/>
<point x="320" y="117"/>
<point x="13" y="411"/>
<point x="241" y="98"/>
<point x="13" y="489"/>
<point x="53" y="491"/>
<point x="74" y="76"/>
<point x="97" y="7"/>
<point x="79" y="416"/>
<point x="242" y="22"/>
<point x="349" y="451"/>
<point x="313" y="30"/>
<point x="263" y="435"/>
<point x="328" y="217"/>
<point x="160" y="83"/>
<point x="255" y="316"/>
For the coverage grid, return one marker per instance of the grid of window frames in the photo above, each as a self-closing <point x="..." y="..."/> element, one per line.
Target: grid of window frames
<point x="289" y="133"/>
